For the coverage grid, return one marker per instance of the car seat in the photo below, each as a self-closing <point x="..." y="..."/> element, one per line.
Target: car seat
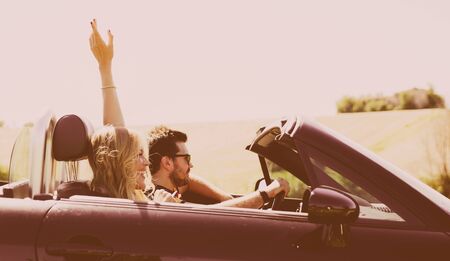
<point x="71" y="143"/>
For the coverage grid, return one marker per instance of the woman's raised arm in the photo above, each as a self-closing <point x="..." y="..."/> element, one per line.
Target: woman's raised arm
<point x="103" y="53"/>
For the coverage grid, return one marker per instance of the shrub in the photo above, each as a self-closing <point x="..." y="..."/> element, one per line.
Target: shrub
<point x="345" y="104"/>
<point x="377" y="104"/>
<point x="440" y="183"/>
<point x="359" y="105"/>
<point x="3" y="173"/>
<point x="438" y="151"/>
<point x="406" y="100"/>
<point x="435" y="100"/>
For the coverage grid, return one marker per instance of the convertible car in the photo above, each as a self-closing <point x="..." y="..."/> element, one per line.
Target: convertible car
<point x="345" y="203"/>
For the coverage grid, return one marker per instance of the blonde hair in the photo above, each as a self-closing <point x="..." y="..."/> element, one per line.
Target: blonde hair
<point x="113" y="161"/>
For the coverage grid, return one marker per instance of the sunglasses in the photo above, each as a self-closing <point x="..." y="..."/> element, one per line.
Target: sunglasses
<point x="187" y="157"/>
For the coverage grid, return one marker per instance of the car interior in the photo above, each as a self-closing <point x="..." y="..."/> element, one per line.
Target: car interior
<point x="69" y="143"/>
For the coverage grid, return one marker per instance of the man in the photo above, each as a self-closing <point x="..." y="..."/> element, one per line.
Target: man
<point x="169" y="157"/>
<point x="170" y="165"/>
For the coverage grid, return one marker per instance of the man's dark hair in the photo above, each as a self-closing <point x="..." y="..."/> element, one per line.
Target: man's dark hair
<point x="162" y="142"/>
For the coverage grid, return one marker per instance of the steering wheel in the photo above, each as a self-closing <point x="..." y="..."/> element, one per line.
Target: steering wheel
<point x="276" y="205"/>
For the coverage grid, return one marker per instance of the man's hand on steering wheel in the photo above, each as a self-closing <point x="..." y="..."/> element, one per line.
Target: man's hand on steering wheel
<point x="278" y="187"/>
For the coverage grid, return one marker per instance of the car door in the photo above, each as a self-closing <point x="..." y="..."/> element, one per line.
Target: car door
<point x="385" y="228"/>
<point x="93" y="228"/>
<point x="20" y="221"/>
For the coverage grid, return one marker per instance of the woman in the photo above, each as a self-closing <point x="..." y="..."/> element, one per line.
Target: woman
<point x="112" y="114"/>
<point x="116" y="159"/>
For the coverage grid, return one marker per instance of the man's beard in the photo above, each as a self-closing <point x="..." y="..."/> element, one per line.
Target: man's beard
<point x="179" y="182"/>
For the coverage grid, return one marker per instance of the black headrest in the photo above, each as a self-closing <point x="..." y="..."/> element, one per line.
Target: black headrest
<point x="71" y="138"/>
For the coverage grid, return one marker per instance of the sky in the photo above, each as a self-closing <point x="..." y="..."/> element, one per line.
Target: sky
<point x="190" y="61"/>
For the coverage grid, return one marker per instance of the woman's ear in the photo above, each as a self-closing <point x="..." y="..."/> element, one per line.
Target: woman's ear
<point x="166" y="162"/>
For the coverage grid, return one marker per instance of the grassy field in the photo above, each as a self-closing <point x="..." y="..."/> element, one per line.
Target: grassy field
<point x="405" y="138"/>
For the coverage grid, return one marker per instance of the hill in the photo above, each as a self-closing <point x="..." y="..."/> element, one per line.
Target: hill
<point x="405" y="138"/>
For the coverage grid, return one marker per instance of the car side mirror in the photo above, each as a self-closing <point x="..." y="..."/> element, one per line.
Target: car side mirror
<point x="333" y="208"/>
<point x="327" y="205"/>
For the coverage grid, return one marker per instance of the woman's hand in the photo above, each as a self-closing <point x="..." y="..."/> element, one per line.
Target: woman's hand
<point x="103" y="52"/>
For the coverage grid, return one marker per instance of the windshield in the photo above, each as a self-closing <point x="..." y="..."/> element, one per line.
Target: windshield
<point x="297" y="187"/>
<point x="19" y="166"/>
<point x="340" y="178"/>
